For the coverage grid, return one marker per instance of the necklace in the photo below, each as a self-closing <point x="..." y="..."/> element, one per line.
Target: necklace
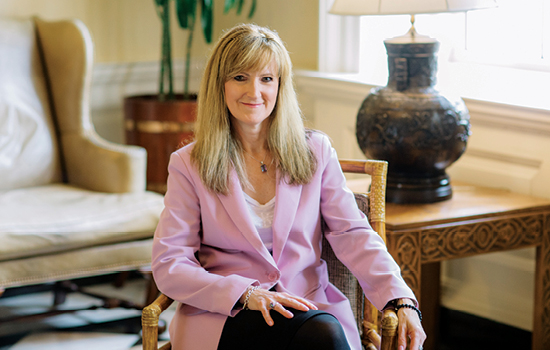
<point x="263" y="167"/>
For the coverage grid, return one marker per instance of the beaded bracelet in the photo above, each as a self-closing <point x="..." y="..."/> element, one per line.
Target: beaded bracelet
<point x="245" y="305"/>
<point x="397" y="307"/>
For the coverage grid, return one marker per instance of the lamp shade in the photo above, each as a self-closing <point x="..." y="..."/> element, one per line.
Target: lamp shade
<point x="401" y="7"/>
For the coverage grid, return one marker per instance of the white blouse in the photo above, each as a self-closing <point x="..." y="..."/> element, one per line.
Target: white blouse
<point x="262" y="217"/>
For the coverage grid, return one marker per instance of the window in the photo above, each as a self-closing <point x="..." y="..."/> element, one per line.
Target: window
<point x="481" y="52"/>
<point x="516" y="34"/>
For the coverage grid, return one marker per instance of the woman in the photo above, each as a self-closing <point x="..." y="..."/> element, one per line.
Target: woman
<point x="239" y="241"/>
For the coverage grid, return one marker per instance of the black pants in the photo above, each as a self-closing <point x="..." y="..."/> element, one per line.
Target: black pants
<point x="313" y="329"/>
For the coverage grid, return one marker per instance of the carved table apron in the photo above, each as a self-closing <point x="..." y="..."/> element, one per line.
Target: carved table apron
<point x="477" y="220"/>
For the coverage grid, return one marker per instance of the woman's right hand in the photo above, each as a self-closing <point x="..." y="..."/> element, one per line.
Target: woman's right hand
<point x="264" y="300"/>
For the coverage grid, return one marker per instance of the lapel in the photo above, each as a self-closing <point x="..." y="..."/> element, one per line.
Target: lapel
<point x="286" y="206"/>
<point x="236" y="207"/>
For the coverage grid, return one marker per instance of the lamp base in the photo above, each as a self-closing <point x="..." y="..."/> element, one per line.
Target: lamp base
<point x="417" y="129"/>
<point x="407" y="189"/>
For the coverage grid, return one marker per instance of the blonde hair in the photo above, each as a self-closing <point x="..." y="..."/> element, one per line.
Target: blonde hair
<point x="217" y="149"/>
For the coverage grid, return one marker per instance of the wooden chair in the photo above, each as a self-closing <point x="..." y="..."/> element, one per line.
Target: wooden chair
<point x="378" y="330"/>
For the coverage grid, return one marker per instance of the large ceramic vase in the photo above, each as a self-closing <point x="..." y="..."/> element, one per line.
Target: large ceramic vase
<point x="161" y="127"/>
<point x="409" y="123"/>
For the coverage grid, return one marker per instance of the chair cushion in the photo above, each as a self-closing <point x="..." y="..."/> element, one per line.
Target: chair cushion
<point x="28" y="147"/>
<point x="59" y="217"/>
<point x="83" y="262"/>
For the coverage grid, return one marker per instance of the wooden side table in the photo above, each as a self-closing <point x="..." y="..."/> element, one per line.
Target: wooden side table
<point x="477" y="220"/>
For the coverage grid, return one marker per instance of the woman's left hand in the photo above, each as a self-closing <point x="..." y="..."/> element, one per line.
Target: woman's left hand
<point x="409" y="327"/>
<point x="265" y="301"/>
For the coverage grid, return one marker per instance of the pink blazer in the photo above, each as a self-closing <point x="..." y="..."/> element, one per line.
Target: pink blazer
<point x="208" y="272"/>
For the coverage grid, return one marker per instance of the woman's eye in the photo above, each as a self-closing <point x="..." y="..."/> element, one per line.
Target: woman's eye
<point x="267" y="79"/>
<point x="239" y="78"/>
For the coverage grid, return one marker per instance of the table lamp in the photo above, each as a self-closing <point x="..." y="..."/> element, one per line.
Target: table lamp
<point x="409" y="123"/>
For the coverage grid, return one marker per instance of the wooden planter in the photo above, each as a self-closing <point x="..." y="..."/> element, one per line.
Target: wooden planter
<point x="161" y="127"/>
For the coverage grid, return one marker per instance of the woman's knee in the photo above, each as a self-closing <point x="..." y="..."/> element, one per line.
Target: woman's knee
<point x="322" y="332"/>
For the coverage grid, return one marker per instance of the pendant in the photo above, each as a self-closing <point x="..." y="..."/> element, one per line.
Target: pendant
<point x="263" y="167"/>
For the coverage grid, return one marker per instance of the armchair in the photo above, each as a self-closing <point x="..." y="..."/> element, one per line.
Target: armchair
<point x="71" y="204"/>
<point x="378" y="330"/>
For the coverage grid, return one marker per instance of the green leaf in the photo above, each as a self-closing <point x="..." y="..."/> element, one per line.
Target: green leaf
<point x="186" y="11"/>
<point x="239" y="6"/>
<point x="252" y="9"/>
<point x="229" y="4"/>
<point x="161" y="2"/>
<point x="207" y="19"/>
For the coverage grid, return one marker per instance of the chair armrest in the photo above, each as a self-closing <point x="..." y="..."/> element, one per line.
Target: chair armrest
<point x="98" y="165"/>
<point x="389" y="326"/>
<point x="150" y="321"/>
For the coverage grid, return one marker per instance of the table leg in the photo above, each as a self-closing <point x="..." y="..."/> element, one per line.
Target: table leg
<point x="430" y="302"/>
<point x="541" y="324"/>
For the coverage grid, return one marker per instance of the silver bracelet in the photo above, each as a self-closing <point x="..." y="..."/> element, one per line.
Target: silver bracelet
<point x="248" y="294"/>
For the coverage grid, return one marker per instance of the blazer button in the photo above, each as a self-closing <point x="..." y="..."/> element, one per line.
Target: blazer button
<point x="273" y="276"/>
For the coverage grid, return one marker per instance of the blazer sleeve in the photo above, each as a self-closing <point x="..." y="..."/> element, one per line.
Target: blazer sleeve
<point x="353" y="240"/>
<point x="176" y="269"/>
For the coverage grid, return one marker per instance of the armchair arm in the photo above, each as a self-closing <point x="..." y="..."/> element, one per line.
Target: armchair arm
<point x="389" y="326"/>
<point x="388" y="329"/>
<point x="96" y="164"/>
<point x="150" y="322"/>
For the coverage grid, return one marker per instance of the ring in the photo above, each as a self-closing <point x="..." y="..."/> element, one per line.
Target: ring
<point x="272" y="305"/>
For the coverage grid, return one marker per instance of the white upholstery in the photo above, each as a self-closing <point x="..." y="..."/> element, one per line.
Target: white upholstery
<point x="75" y="263"/>
<point x="71" y="203"/>
<point x="65" y="217"/>
<point x="28" y="147"/>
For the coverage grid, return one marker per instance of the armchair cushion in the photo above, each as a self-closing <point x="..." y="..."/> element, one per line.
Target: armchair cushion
<point x="76" y="263"/>
<point x="60" y="231"/>
<point x="55" y="218"/>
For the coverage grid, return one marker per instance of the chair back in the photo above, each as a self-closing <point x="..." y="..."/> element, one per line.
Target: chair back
<point x="373" y="204"/>
<point x="378" y="170"/>
<point x="45" y="82"/>
<point x="340" y="276"/>
<point x="29" y="152"/>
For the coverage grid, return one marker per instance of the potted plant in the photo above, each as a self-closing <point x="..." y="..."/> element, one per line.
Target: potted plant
<point x="164" y="121"/>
